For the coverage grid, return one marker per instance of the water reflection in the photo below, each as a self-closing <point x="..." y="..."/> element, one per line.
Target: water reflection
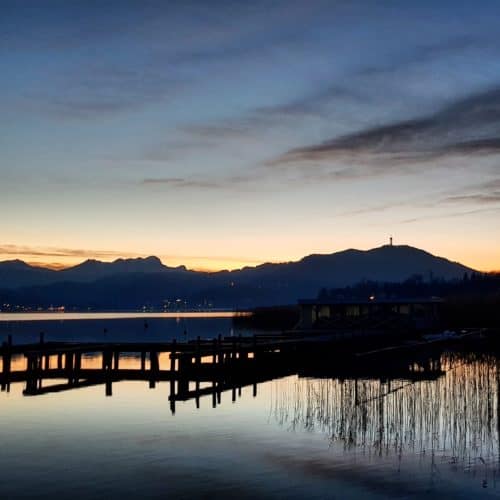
<point x="454" y="418"/>
<point x="430" y="430"/>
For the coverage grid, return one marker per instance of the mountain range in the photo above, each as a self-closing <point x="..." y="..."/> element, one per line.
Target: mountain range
<point x="133" y="283"/>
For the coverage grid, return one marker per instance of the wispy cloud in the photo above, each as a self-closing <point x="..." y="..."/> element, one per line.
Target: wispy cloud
<point x="181" y="183"/>
<point x="478" y="198"/>
<point x="450" y="215"/>
<point x="482" y="194"/>
<point x="427" y="53"/>
<point x="59" y="257"/>
<point x="469" y="126"/>
<point x="335" y="98"/>
<point x="200" y="183"/>
<point x="487" y="193"/>
<point x="21" y="250"/>
<point x="168" y="47"/>
<point x="102" y="90"/>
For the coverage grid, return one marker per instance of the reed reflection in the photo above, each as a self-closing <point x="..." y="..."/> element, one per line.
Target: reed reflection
<point x="454" y="418"/>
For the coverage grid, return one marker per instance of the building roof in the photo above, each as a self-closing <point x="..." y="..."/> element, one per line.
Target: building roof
<point x="354" y="302"/>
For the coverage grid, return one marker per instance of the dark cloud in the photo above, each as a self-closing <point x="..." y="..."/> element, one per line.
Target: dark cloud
<point x="332" y="98"/>
<point x="259" y="121"/>
<point x="252" y="126"/>
<point x="490" y="145"/>
<point x="470" y="126"/>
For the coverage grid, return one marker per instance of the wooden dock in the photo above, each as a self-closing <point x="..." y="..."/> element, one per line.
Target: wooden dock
<point x="230" y="363"/>
<point x="193" y="369"/>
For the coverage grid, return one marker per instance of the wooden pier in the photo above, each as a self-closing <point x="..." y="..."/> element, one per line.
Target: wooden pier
<point x="196" y="368"/>
<point x="227" y="363"/>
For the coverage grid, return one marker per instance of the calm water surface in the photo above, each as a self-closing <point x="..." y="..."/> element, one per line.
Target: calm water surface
<point x="117" y="327"/>
<point x="296" y="438"/>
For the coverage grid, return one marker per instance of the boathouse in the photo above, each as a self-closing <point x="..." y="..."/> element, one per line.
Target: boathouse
<point x="371" y="313"/>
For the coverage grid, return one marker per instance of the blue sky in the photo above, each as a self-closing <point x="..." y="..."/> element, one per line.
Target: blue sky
<point x="219" y="134"/>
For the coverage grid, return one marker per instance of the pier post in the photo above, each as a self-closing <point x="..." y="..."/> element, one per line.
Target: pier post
<point x="198" y="353"/>
<point x="116" y="357"/>
<point x="46" y="362"/>
<point x="109" y="387"/>
<point x="67" y="362"/>
<point x="197" y="397"/>
<point x="78" y="366"/>
<point x="214" y="352"/>
<point x="107" y="365"/>
<point x="108" y="360"/>
<point x="172" y="356"/>
<point x="31" y="374"/>
<point x="68" y="368"/>
<point x="153" y="369"/>
<point x="172" y="396"/>
<point x="220" y="354"/>
<point x="6" y="361"/>
<point x="154" y="364"/>
<point x="214" y="394"/>
<point x="182" y="385"/>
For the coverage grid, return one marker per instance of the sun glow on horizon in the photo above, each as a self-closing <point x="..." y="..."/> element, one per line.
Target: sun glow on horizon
<point x="215" y="263"/>
<point x="193" y="263"/>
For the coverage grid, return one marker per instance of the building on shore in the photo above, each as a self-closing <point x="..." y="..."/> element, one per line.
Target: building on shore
<point x="370" y="314"/>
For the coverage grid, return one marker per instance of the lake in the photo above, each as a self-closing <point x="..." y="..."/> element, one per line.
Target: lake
<point x="118" y="327"/>
<point x="292" y="437"/>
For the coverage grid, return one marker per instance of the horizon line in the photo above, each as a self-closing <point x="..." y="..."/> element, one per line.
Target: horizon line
<point x="244" y="263"/>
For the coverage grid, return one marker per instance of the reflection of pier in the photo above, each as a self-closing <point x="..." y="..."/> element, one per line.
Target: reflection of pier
<point x="212" y="366"/>
<point x="198" y="368"/>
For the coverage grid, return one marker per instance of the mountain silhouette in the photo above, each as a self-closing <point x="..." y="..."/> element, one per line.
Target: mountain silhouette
<point x="92" y="270"/>
<point x="132" y="283"/>
<point x="16" y="273"/>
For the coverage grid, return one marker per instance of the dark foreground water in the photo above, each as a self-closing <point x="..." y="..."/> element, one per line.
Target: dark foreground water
<point x="296" y="438"/>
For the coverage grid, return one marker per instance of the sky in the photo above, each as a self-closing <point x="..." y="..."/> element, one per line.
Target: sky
<point x="221" y="134"/>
